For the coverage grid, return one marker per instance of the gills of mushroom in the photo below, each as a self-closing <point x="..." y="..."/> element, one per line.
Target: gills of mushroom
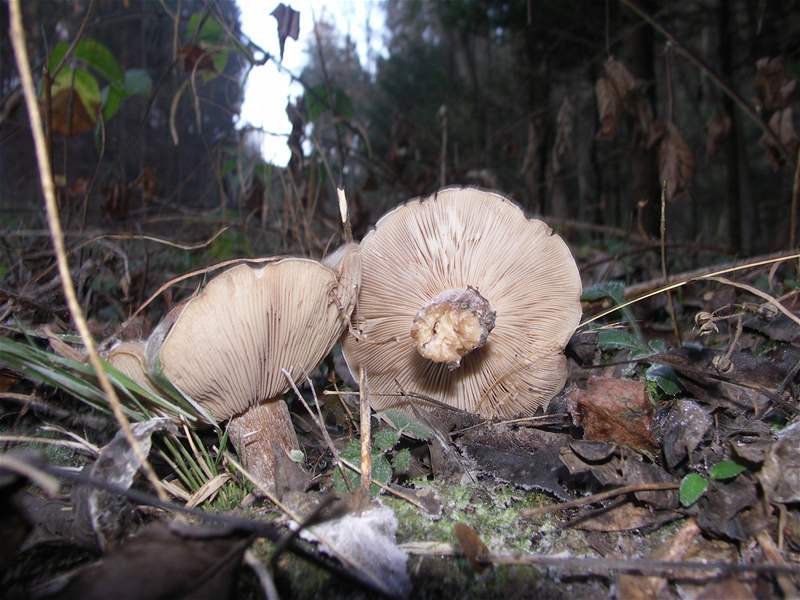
<point x="227" y="347"/>
<point x="464" y="300"/>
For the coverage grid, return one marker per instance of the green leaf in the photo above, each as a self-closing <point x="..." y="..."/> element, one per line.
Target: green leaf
<point x="211" y="31"/>
<point x="407" y="424"/>
<point x="664" y="377"/>
<point x="385" y="440"/>
<point x="321" y="98"/>
<point x="381" y="471"/>
<point x="97" y="56"/>
<point x="220" y="60"/>
<point x="86" y="88"/>
<point x="56" y="54"/>
<point x="727" y="469"/>
<point x="113" y="95"/>
<point x="138" y="81"/>
<point x="692" y="487"/>
<point x="616" y="339"/>
<point x="615" y="290"/>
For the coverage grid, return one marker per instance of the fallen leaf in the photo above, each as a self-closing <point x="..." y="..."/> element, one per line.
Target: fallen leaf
<point x="780" y="474"/>
<point x="620" y="518"/>
<point x="682" y="431"/>
<point x="472" y="546"/>
<point x="675" y="162"/>
<point x="615" y="410"/>
<point x="163" y="562"/>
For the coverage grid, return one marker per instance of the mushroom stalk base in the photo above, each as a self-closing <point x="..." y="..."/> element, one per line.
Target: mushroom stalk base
<point x="263" y="436"/>
<point x="452" y="325"/>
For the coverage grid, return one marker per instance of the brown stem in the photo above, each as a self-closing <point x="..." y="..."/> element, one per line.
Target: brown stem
<point x="259" y="435"/>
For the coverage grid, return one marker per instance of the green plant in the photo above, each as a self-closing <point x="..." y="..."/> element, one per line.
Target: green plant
<point x="694" y="485"/>
<point x="384" y="461"/>
<point x="91" y="60"/>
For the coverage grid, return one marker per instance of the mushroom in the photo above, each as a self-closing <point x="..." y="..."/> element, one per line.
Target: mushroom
<point x="466" y="301"/>
<point x="226" y="347"/>
<point x="129" y="359"/>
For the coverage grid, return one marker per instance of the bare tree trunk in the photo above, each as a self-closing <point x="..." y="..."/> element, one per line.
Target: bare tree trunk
<point x="732" y="158"/>
<point x="644" y="184"/>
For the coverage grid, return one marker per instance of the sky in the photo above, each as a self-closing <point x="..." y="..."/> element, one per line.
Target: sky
<point x="268" y="89"/>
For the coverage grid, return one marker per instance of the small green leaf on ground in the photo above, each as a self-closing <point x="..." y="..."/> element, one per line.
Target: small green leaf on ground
<point x="692" y="487"/>
<point x="727" y="469"/>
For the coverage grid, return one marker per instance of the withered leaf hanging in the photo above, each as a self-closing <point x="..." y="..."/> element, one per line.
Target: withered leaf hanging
<point x="288" y="23"/>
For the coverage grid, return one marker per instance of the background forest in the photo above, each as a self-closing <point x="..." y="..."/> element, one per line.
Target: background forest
<point x="577" y="110"/>
<point x="658" y="138"/>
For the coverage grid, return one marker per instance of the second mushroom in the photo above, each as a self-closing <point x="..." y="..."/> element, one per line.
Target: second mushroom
<point x="226" y="348"/>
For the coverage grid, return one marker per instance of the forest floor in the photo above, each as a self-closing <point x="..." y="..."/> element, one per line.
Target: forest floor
<point x="662" y="470"/>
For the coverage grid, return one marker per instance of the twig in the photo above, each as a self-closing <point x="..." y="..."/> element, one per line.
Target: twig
<point x="262" y="488"/>
<point x="365" y="431"/>
<point x="626" y="489"/>
<point x="670" y="303"/>
<point x="259" y="527"/>
<point x="263" y="575"/>
<point x="683" y="279"/>
<point x="318" y="420"/>
<point x="795" y="201"/>
<point x="760" y="294"/>
<point x="384" y="487"/>
<point x="774" y="557"/>
<point x="48" y="189"/>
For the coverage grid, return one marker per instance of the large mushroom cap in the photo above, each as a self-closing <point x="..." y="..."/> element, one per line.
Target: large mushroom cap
<point x="226" y="348"/>
<point x="464" y="243"/>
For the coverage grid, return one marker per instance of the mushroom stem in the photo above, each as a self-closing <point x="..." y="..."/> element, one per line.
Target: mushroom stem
<point x="259" y="434"/>
<point x="452" y="325"/>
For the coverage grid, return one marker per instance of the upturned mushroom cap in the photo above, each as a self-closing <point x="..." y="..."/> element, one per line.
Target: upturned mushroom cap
<point x="129" y="359"/>
<point x="497" y="360"/>
<point x="227" y="346"/>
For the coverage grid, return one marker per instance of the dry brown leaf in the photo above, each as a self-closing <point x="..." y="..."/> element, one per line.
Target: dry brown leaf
<point x="620" y="77"/>
<point x="472" y="546"/>
<point x="675" y="162"/>
<point x="782" y="124"/>
<point x="620" y="518"/>
<point x="773" y="89"/>
<point x="562" y="147"/>
<point x="608" y="107"/>
<point x="70" y="116"/>
<point x="614" y="410"/>
<point x="718" y="128"/>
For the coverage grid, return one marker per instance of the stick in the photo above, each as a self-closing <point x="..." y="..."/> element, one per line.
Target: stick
<point x="366" y="432"/>
<point x="626" y="489"/>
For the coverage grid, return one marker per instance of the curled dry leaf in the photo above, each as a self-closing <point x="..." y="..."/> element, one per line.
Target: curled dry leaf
<point x="675" y="162"/>
<point x="780" y="474"/>
<point x="562" y="147"/>
<point x="718" y="128"/>
<point x="773" y="89"/>
<point x="782" y="123"/>
<point x="620" y="77"/>
<point x="609" y="107"/>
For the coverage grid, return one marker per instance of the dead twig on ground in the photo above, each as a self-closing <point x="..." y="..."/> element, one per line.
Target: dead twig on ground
<point x="626" y="489"/>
